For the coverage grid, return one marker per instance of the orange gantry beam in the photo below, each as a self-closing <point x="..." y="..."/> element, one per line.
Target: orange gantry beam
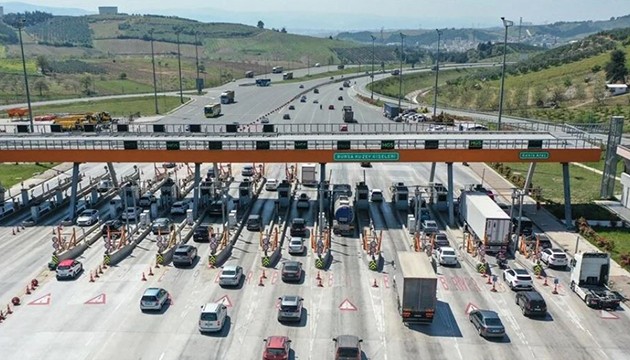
<point x="303" y="156"/>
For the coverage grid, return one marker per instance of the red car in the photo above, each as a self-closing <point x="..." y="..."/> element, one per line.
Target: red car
<point x="277" y="348"/>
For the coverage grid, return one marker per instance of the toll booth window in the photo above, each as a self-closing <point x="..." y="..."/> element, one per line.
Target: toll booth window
<point x="402" y="197"/>
<point x="363" y="196"/>
<point x="441" y="197"/>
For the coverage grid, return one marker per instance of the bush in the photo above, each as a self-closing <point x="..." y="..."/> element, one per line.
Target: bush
<point x="596" y="68"/>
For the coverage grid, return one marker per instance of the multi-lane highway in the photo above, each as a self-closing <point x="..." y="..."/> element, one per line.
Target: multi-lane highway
<point x="79" y="319"/>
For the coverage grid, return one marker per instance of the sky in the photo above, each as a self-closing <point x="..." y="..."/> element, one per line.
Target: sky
<point x="366" y="14"/>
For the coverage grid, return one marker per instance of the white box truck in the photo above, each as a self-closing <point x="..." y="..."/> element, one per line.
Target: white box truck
<point x="309" y="174"/>
<point x="416" y="292"/>
<point x="485" y="220"/>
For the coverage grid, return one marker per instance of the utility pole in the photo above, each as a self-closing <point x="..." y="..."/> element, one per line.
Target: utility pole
<point x="372" y="82"/>
<point x="157" y="110"/>
<point x="507" y="24"/>
<point x="402" y="38"/>
<point x="179" y="66"/>
<point x="28" y="94"/>
<point x="197" y="64"/>
<point x="437" y="71"/>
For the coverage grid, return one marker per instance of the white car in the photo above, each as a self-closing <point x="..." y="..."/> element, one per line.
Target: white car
<point x="131" y="213"/>
<point x="376" y="195"/>
<point x="271" y="185"/>
<point x="179" y="207"/>
<point x="88" y="217"/>
<point x="69" y="269"/>
<point x="296" y="245"/>
<point x="230" y="275"/>
<point x="212" y="317"/>
<point x="104" y="186"/>
<point x="446" y="256"/>
<point x="554" y="257"/>
<point x="518" y="279"/>
<point x="429" y="227"/>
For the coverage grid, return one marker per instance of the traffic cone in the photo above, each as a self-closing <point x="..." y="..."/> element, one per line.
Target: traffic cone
<point x="100" y="269"/>
<point x="555" y="289"/>
<point x="28" y="290"/>
<point x="319" y="283"/>
<point x="34" y="284"/>
<point x="9" y="311"/>
<point x="494" y="288"/>
<point x="15" y="301"/>
<point x="150" y="271"/>
<point x="157" y="266"/>
<point x="96" y="274"/>
<point x="18" y="229"/>
<point x="144" y="278"/>
<point x="13" y="231"/>
<point x="318" y="277"/>
<point x="263" y="274"/>
<point x="260" y="282"/>
<point x="545" y="283"/>
<point x="374" y="285"/>
<point x="91" y="277"/>
<point x="489" y="281"/>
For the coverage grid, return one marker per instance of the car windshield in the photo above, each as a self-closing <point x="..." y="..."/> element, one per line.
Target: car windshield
<point x="559" y="255"/>
<point x="273" y="351"/>
<point x="228" y="273"/>
<point x="292" y="308"/>
<point x="64" y="267"/>
<point x="493" y="322"/>
<point x="348" y="352"/>
<point x="208" y="316"/>
<point x="182" y="252"/>
<point x="296" y="242"/>
<point x="448" y="252"/>
<point x="298" y="225"/>
<point x="291" y="267"/>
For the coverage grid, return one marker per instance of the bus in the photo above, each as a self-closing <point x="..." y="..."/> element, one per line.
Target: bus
<point x="212" y="110"/>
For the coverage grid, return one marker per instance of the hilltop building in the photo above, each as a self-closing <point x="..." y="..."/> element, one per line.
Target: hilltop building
<point x="108" y="10"/>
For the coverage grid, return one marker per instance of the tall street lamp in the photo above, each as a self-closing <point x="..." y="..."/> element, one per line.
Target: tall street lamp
<point x="506" y="24"/>
<point x="179" y="66"/>
<point x="372" y="82"/>
<point x="157" y="110"/>
<point x="28" y="94"/>
<point x="197" y="63"/>
<point x="402" y="38"/>
<point x="437" y="71"/>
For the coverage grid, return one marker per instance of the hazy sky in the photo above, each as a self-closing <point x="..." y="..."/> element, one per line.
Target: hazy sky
<point x="449" y="13"/>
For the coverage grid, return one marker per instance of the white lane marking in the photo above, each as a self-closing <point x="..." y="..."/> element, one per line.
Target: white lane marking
<point x="379" y="316"/>
<point x="162" y="356"/>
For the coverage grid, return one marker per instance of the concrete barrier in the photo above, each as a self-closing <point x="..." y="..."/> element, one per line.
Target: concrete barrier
<point x="120" y="254"/>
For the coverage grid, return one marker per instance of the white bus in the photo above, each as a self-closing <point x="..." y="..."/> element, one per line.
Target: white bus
<point x="212" y="110"/>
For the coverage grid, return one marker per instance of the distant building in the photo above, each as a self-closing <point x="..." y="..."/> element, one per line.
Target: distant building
<point x="1" y="10"/>
<point x="108" y="10"/>
<point x="624" y="152"/>
<point x="617" y="89"/>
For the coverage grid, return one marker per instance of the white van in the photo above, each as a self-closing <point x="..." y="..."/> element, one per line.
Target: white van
<point x="212" y="317"/>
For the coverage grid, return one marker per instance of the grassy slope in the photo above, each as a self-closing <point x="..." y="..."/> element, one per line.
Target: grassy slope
<point x="117" y="107"/>
<point x="11" y="174"/>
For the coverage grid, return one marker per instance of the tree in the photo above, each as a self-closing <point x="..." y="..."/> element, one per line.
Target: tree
<point x="43" y="64"/>
<point x="616" y="70"/>
<point x="122" y="76"/>
<point x="283" y="30"/>
<point x="41" y="86"/>
<point x="260" y="25"/>
<point x="86" y="83"/>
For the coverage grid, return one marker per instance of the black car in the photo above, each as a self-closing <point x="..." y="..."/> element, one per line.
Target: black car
<point x="113" y="226"/>
<point x="298" y="227"/>
<point x="286" y="117"/>
<point x="340" y="98"/>
<point x="201" y="234"/>
<point x="531" y="303"/>
<point x="291" y="271"/>
<point x="291" y="107"/>
<point x="184" y="255"/>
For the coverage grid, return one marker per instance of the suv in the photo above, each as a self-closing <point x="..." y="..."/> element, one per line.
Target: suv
<point x="376" y="195"/>
<point x="429" y="227"/>
<point x="184" y="254"/>
<point x="554" y="257"/>
<point x="277" y="348"/>
<point x="290" y="308"/>
<point x="441" y="240"/>
<point x="298" y="227"/>
<point x="212" y="317"/>
<point x="201" y="233"/>
<point x="303" y="201"/>
<point x="347" y="347"/>
<point x="162" y="225"/>
<point x="131" y="213"/>
<point x="69" y="269"/>
<point x="291" y="271"/>
<point x="154" y="299"/>
<point x="296" y="245"/>
<point x="254" y="223"/>
<point x="445" y="256"/>
<point x="543" y="241"/>
<point x="104" y="186"/>
<point x="147" y="199"/>
<point x="271" y="185"/>
<point x="248" y="170"/>
<point x="531" y="303"/>
<point x="88" y="217"/>
<point x="179" y="207"/>
<point x="230" y="275"/>
<point x="518" y="279"/>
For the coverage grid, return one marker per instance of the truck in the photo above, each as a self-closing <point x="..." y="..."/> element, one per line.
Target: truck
<point x="589" y="279"/>
<point x="277" y="70"/>
<point x="309" y="174"/>
<point x="417" y="294"/>
<point x="390" y="111"/>
<point x="263" y="82"/>
<point x="249" y="74"/>
<point x="212" y="110"/>
<point x="343" y="211"/>
<point x="485" y="220"/>
<point x="287" y="76"/>
<point x="347" y="114"/>
<point x="227" y="97"/>
<point x="346" y="83"/>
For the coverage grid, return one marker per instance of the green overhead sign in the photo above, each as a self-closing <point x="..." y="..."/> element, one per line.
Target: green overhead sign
<point x="366" y="156"/>
<point x="533" y="155"/>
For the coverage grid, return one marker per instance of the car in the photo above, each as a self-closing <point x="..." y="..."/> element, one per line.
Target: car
<point x="301" y="86"/>
<point x="147" y="199"/>
<point x="69" y="268"/>
<point x="340" y="98"/>
<point x="184" y="255"/>
<point x="276" y="348"/>
<point x="347" y="347"/>
<point x="286" y="117"/>
<point x="366" y="164"/>
<point x="429" y="227"/>
<point x="264" y="120"/>
<point x="298" y="227"/>
<point x="542" y="239"/>
<point x="487" y="323"/>
<point x="440" y="240"/>
<point x="445" y="255"/>
<point x="212" y="318"/>
<point x="88" y="217"/>
<point x="154" y="299"/>
<point x="271" y="185"/>
<point x="104" y="186"/>
<point x="554" y="257"/>
<point x="210" y="173"/>
<point x="436" y="128"/>
<point x="131" y="213"/>
<point x="254" y="223"/>
<point x="248" y="170"/>
<point x="531" y="303"/>
<point x="518" y="279"/>
<point x="291" y="107"/>
<point x="341" y="88"/>
<point x="179" y="207"/>
<point x="113" y="227"/>
<point x="230" y="275"/>
<point x="331" y="107"/>
<point x="376" y="195"/>
<point x="316" y="91"/>
<point x="169" y="165"/>
<point x="315" y="101"/>
<point x="291" y="271"/>
<point x="303" y="201"/>
<point x="202" y="233"/>
<point x="343" y="128"/>
<point x="303" y="99"/>
<point x="162" y="225"/>
<point x="296" y="245"/>
<point x="290" y="308"/>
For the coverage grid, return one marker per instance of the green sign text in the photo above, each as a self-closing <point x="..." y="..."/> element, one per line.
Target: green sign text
<point x="368" y="156"/>
<point x="533" y="155"/>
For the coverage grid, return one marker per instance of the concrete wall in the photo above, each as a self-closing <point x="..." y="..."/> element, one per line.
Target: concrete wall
<point x="108" y="10"/>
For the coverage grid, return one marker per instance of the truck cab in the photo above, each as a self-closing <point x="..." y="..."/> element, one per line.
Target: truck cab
<point x="589" y="280"/>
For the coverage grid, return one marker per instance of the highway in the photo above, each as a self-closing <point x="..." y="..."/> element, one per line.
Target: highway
<point x="79" y="319"/>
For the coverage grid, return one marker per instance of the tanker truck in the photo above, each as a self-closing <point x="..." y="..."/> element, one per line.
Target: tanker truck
<point x="343" y="212"/>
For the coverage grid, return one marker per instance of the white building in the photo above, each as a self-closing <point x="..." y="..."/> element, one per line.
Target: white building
<point x="108" y="10"/>
<point x="624" y="152"/>
<point x="617" y="89"/>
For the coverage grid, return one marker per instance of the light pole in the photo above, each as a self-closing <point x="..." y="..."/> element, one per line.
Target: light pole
<point x="402" y="38"/>
<point x="517" y="194"/>
<point x="157" y="110"/>
<point x="28" y="93"/>
<point x="197" y="64"/>
<point x="179" y="66"/>
<point x="437" y="71"/>
<point x="372" y="82"/>
<point x="506" y="24"/>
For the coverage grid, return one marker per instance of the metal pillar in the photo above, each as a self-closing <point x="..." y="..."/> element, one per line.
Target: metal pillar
<point x="607" y="190"/>
<point x="196" y="190"/>
<point x="530" y="176"/>
<point x="72" y="209"/>
<point x="449" y="194"/>
<point x="322" y="180"/>
<point x="567" y="195"/>
<point x="112" y="174"/>
<point x="432" y="174"/>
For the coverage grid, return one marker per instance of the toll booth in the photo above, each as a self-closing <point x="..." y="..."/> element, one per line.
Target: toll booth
<point x="245" y="192"/>
<point x="325" y="186"/>
<point x="438" y="196"/>
<point x="284" y="194"/>
<point x="400" y="196"/>
<point x="362" y="197"/>
<point x="206" y="191"/>
<point x="130" y="194"/>
<point x="2" y="191"/>
<point x="169" y="192"/>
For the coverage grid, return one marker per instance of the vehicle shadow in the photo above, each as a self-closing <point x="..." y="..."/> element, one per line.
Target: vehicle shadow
<point x="224" y="331"/>
<point x="547" y="318"/>
<point x="503" y="340"/>
<point x="443" y="325"/>
<point x="301" y="323"/>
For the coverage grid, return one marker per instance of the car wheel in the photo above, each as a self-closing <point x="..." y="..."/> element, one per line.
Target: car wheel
<point x="480" y="332"/>
<point x="517" y="302"/>
<point x="523" y="310"/>
<point x="511" y="286"/>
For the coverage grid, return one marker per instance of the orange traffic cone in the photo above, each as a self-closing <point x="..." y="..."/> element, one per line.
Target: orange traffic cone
<point x="91" y="277"/>
<point x="263" y="274"/>
<point x="9" y="311"/>
<point x="319" y="283"/>
<point x="18" y="229"/>
<point x="96" y="274"/>
<point x="318" y="276"/>
<point x="13" y="231"/>
<point x="374" y="285"/>
<point x="144" y="278"/>
<point x="150" y="271"/>
<point x="100" y="269"/>
<point x="545" y="283"/>
<point x="28" y="290"/>
<point x="260" y="282"/>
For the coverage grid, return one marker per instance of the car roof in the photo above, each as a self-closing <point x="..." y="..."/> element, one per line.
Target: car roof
<point x="295" y="263"/>
<point x="488" y="314"/>
<point x="297" y="220"/>
<point x="377" y="190"/>
<point x="184" y="247"/>
<point x="446" y="248"/>
<point x="254" y="216"/>
<point x="296" y="238"/>
<point x="290" y="300"/>
<point x="558" y="251"/>
<point x="89" y="211"/>
<point x="347" y="341"/>
<point x="276" y="341"/>
<point x="151" y="291"/>
<point x="532" y="295"/>
<point x="230" y="267"/>
<point x="211" y="307"/>
<point x="67" y="262"/>
<point x="521" y="271"/>
<point x="177" y="203"/>
<point x="162" y="219"/>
